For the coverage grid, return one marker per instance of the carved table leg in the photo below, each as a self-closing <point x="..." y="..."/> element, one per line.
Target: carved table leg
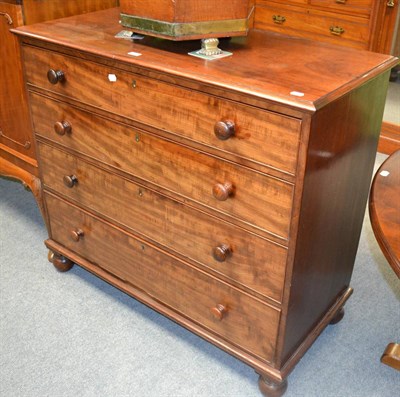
<point x="31" y="182"/>
<point x="271" y="388"/>
<point x="338" y="316"/>
<point x="391" y="356"/>
<point x="61" y="263"/>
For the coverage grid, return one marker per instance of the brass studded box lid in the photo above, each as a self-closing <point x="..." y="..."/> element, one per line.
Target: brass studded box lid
<point x="187" y="19"/>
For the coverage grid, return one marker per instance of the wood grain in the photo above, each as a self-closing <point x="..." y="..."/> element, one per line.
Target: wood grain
<point x="389" y="140"/>
<point x="284" y="66"/>
<point x="186" y="11"/>
<point x="17" y="144"/>
<point x="38" y="11"/>
<point x="262" y="137"/>
<point x="168" y="280"/>
<point x="313" y="23"/>
<point x="325" y="248"/>
<point x="255" y="262"/>
<point x="384" y="209"/>
<point x="15" y="128"/>
<point x="192" y="176"/>
<point x="363" y="7"/>
<point x="143" y="208"/>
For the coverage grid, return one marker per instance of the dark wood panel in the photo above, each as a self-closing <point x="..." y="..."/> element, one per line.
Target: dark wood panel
<point x="340" y="161"/>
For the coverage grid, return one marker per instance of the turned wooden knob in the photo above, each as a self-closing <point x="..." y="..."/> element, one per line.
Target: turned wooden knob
<point x="76" y="234"/>
<point x="70" y="180"/>
<point x="222" y="252"/>
<point x="55" y="76"/>
<point x="222" y="191"/>
<point x="62" y="127"/>
<point x="219" y="311"/>
<point x="224" y="129"/>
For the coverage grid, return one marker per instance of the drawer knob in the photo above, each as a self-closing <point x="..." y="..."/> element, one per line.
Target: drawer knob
<point x="279" y="19"/>
<point x="224" y="129"/>
<point x="219" y="311"/>
<point x="55" y="76"/>
<point x="222" y="252"/>
<point x="336" y="30"/>
<point x="77" y="234"/>
<point x="222" y="191"/>
<point x="70" y="180"/>
<point x="62" y="127"/>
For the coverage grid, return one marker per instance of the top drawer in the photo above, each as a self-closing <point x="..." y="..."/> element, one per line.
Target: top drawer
<point x="341" y="29"/>
<point x="350" y="7"/>
<point x="260" y="136"/>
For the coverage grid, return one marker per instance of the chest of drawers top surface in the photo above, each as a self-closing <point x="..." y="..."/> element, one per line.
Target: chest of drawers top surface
<point x="267" y="65"/>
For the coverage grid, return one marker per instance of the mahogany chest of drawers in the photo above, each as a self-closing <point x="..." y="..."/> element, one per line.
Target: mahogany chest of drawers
<point x="228" y="194"/>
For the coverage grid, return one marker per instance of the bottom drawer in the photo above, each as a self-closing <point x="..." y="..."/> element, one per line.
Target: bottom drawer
<point x="235" y="316"/>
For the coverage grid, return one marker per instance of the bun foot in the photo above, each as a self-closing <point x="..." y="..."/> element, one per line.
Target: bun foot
<point x="61" y="263"/>
<point x="271" y="388"/>
<point x="338" y="317"/>
<point x="391" y="356"/>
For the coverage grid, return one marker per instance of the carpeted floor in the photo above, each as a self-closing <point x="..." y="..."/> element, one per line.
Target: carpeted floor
<point x="71" y="334"/>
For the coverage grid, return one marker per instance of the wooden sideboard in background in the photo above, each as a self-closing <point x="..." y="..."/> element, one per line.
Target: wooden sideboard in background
<point x="364" y="24"/>
<point x="17" y="148"/>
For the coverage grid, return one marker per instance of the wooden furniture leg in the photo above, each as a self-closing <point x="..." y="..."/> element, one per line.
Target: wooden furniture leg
<point x="271" y="388"/>
<point x="391" y="356"/>
<point x="338" y="316"/>
<point x="60" y="262"/>
<point x="31" y="182"/>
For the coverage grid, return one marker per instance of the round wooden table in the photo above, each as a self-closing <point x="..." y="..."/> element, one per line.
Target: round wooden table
<point x="384" y="210"/>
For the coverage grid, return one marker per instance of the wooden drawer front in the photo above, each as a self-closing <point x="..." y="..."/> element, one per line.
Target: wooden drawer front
<point x="315" y="25"/>
<point x="258" y="200"/>
<point x="351" y="7"/>
<point x="248" y="322"/>
<point x="254" y="262"/>
<point x="261" y="136"/>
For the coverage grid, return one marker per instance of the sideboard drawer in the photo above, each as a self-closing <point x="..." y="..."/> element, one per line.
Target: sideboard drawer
<point x="253" y="199"/>
<point x="311" y="23"/>
<point x="244" y="320"/>
<point x="260" y="136"/>
<point x="352" y="7"/>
